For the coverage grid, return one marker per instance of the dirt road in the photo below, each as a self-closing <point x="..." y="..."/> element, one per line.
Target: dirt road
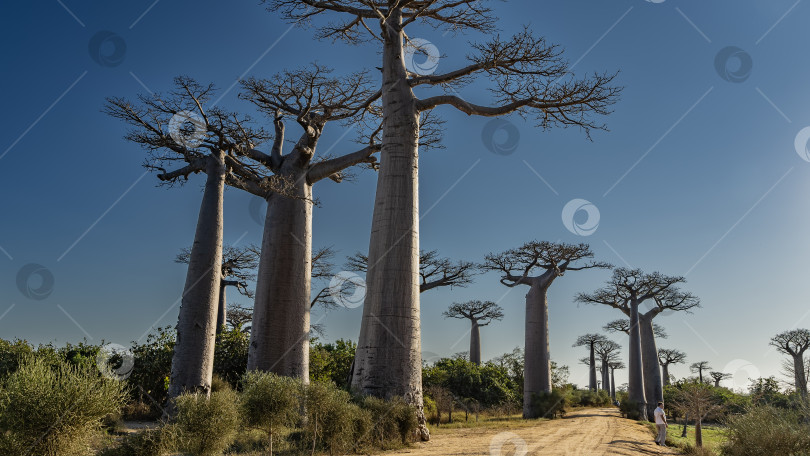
<point x="590" y="432"/>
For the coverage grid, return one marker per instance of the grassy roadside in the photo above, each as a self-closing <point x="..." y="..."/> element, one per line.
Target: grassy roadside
<point x="713" y="437"/>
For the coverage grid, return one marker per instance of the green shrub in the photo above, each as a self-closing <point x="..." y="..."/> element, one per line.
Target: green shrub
<point x="333" y="420"/>
<point x="270" y="401"/>
<point x="206" y="425"/>
<point x="629" y="409"/>
<point x="767" y="430"/>
<point x="149" y="442"/>
<point x="550" y="405"/>
<point x="393" y="421"/>
<point x="54" y="410"/>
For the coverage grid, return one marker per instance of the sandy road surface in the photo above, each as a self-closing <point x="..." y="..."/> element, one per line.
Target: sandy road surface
<point x="590" y="432"/>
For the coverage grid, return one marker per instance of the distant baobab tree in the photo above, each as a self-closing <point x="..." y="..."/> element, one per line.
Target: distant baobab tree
<point x="313" y="98"/>
<point x="479" y="313"/>
<point x="239" y="317"/>
<point x="794" y="343"/>
<point x="625" y="291"/>
<point x="238" y="266"/>
<point x="178" y="130"/>
<point x="537" y="264"/>
<point x="434" y="271"/>
<point x="613" y="365"/>
<point x="698" y="368"/>
<point x="589" y="341"/>
<point x="606" y="350"/>
<point x="624" y="326"/>
<point x="527" y="75"/>
<point x="667" y="357"/>
<point x="718" y="377"/>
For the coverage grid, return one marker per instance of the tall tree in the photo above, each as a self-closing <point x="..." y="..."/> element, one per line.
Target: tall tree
<point x="480" y="313"/>
<point x="698" y="368"/>
<point x="667" y="357"/>
<point x="590" y="340"/>
<point x="279" y="337"/>
<point x="238" y="265"/>
<point x="528" y="76"/>
<point x="177" y="127"/>
<point x="537" y="264"/>
<point x="794" y="343"/>
<point x="434" y="271"/>
<point x="613" y="366"/>
<point x="718" y="377"/>
<point x="626" y="290"/>
<point x="606" y="349"/>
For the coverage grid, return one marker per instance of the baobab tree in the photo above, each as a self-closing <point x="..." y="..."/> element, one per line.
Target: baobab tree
<point x="434" y="271"/>
<point x="606" y="350"/>
<point x="697" y="399"/>
<point x="624" y="326"/>
<point x="547" y="261"/>
<point x="177" y="128"/>
<point x="239" y="317"/>
<point x="794" y="343"/>
<point x="625" y="291"/>
<point x="279" y="337"/>
<point x="238" y="266"/>
<point x="613" y="365"/>
<point x="698" y="368"/>
<point x="480" y="313"/>
<point x="667" y="357"/>
<point x="590" y="340"/>
<point x="528" y="75"/>
<point x="718" y="377"/>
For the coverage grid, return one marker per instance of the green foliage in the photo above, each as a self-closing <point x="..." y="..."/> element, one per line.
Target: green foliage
<point x="54" y="408"/>
<point x="489" y="384"/>
<point x="765" y="391"/>
<point x="393" y="421"/>
<point x="206" y="425"/>
<point x="588" y="398"/>
<point x="149" y="442"/>
<point x="331" y="362"/>
<point x="149" y="381"/>
<point x="550" y="405"/>
<point x="628" y="408"/>
<point x="767" y="430"/>
<point x="230" y="355"/>
<point x="270" y="401"/>
<point x="333" y="420"/>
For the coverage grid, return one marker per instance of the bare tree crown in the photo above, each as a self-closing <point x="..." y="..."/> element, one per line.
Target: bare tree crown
<point x="794" y="342"/>
<point x="479" y="312"/>
<point x="434" y="270"/>
<point x="550" y="259"/>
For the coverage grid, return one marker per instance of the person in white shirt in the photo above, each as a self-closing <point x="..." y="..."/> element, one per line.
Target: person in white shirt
<point x="661" y="424"/>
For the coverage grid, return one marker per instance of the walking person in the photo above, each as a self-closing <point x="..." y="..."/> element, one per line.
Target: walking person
<point x="661" y="425"/>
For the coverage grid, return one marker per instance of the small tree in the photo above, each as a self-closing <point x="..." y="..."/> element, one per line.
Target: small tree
<point x="270" y="401"/>
<point x="698" y="368"/>
<point x="480" y="313"/>
<point x="718" y="377"/>
<point x="795" y="343"/>
<point x="546" y="261"/>
<point x="697" y="399"/>
<point x="667" y="357"/>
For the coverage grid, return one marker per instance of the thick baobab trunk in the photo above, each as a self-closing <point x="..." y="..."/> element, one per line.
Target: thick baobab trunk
<point x="635" y="388"/>
<point x="653" y="388"/>
<point x="798" y="373"/>
<point x="537" y="364"/>
<point x="222" y="307"/>
<point x="193" y="360"/>
<point x="605" y="376"/>
<point x="388" y="360"/>
<point x="279" y="336"/>
<point x="612" y="384"/>
<point x="475" y="343"/>
<point x="665" y="374"/>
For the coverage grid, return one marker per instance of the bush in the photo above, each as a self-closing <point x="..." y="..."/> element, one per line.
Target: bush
<point x="206" y="425"/>
<point x="333" y="419"/>
<point x="628" y="409"/>
<point x="588" y="398"/>
<point x="550" y="405"/>
<point x="270" y="401"/>
<point x="767" y="430"/>
<point x="393" y="420"/>
<point x="54" y="410"/>
<point x="150" y="442"/>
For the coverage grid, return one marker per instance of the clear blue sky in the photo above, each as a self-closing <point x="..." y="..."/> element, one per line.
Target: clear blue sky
<point x="715" y="187"/>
